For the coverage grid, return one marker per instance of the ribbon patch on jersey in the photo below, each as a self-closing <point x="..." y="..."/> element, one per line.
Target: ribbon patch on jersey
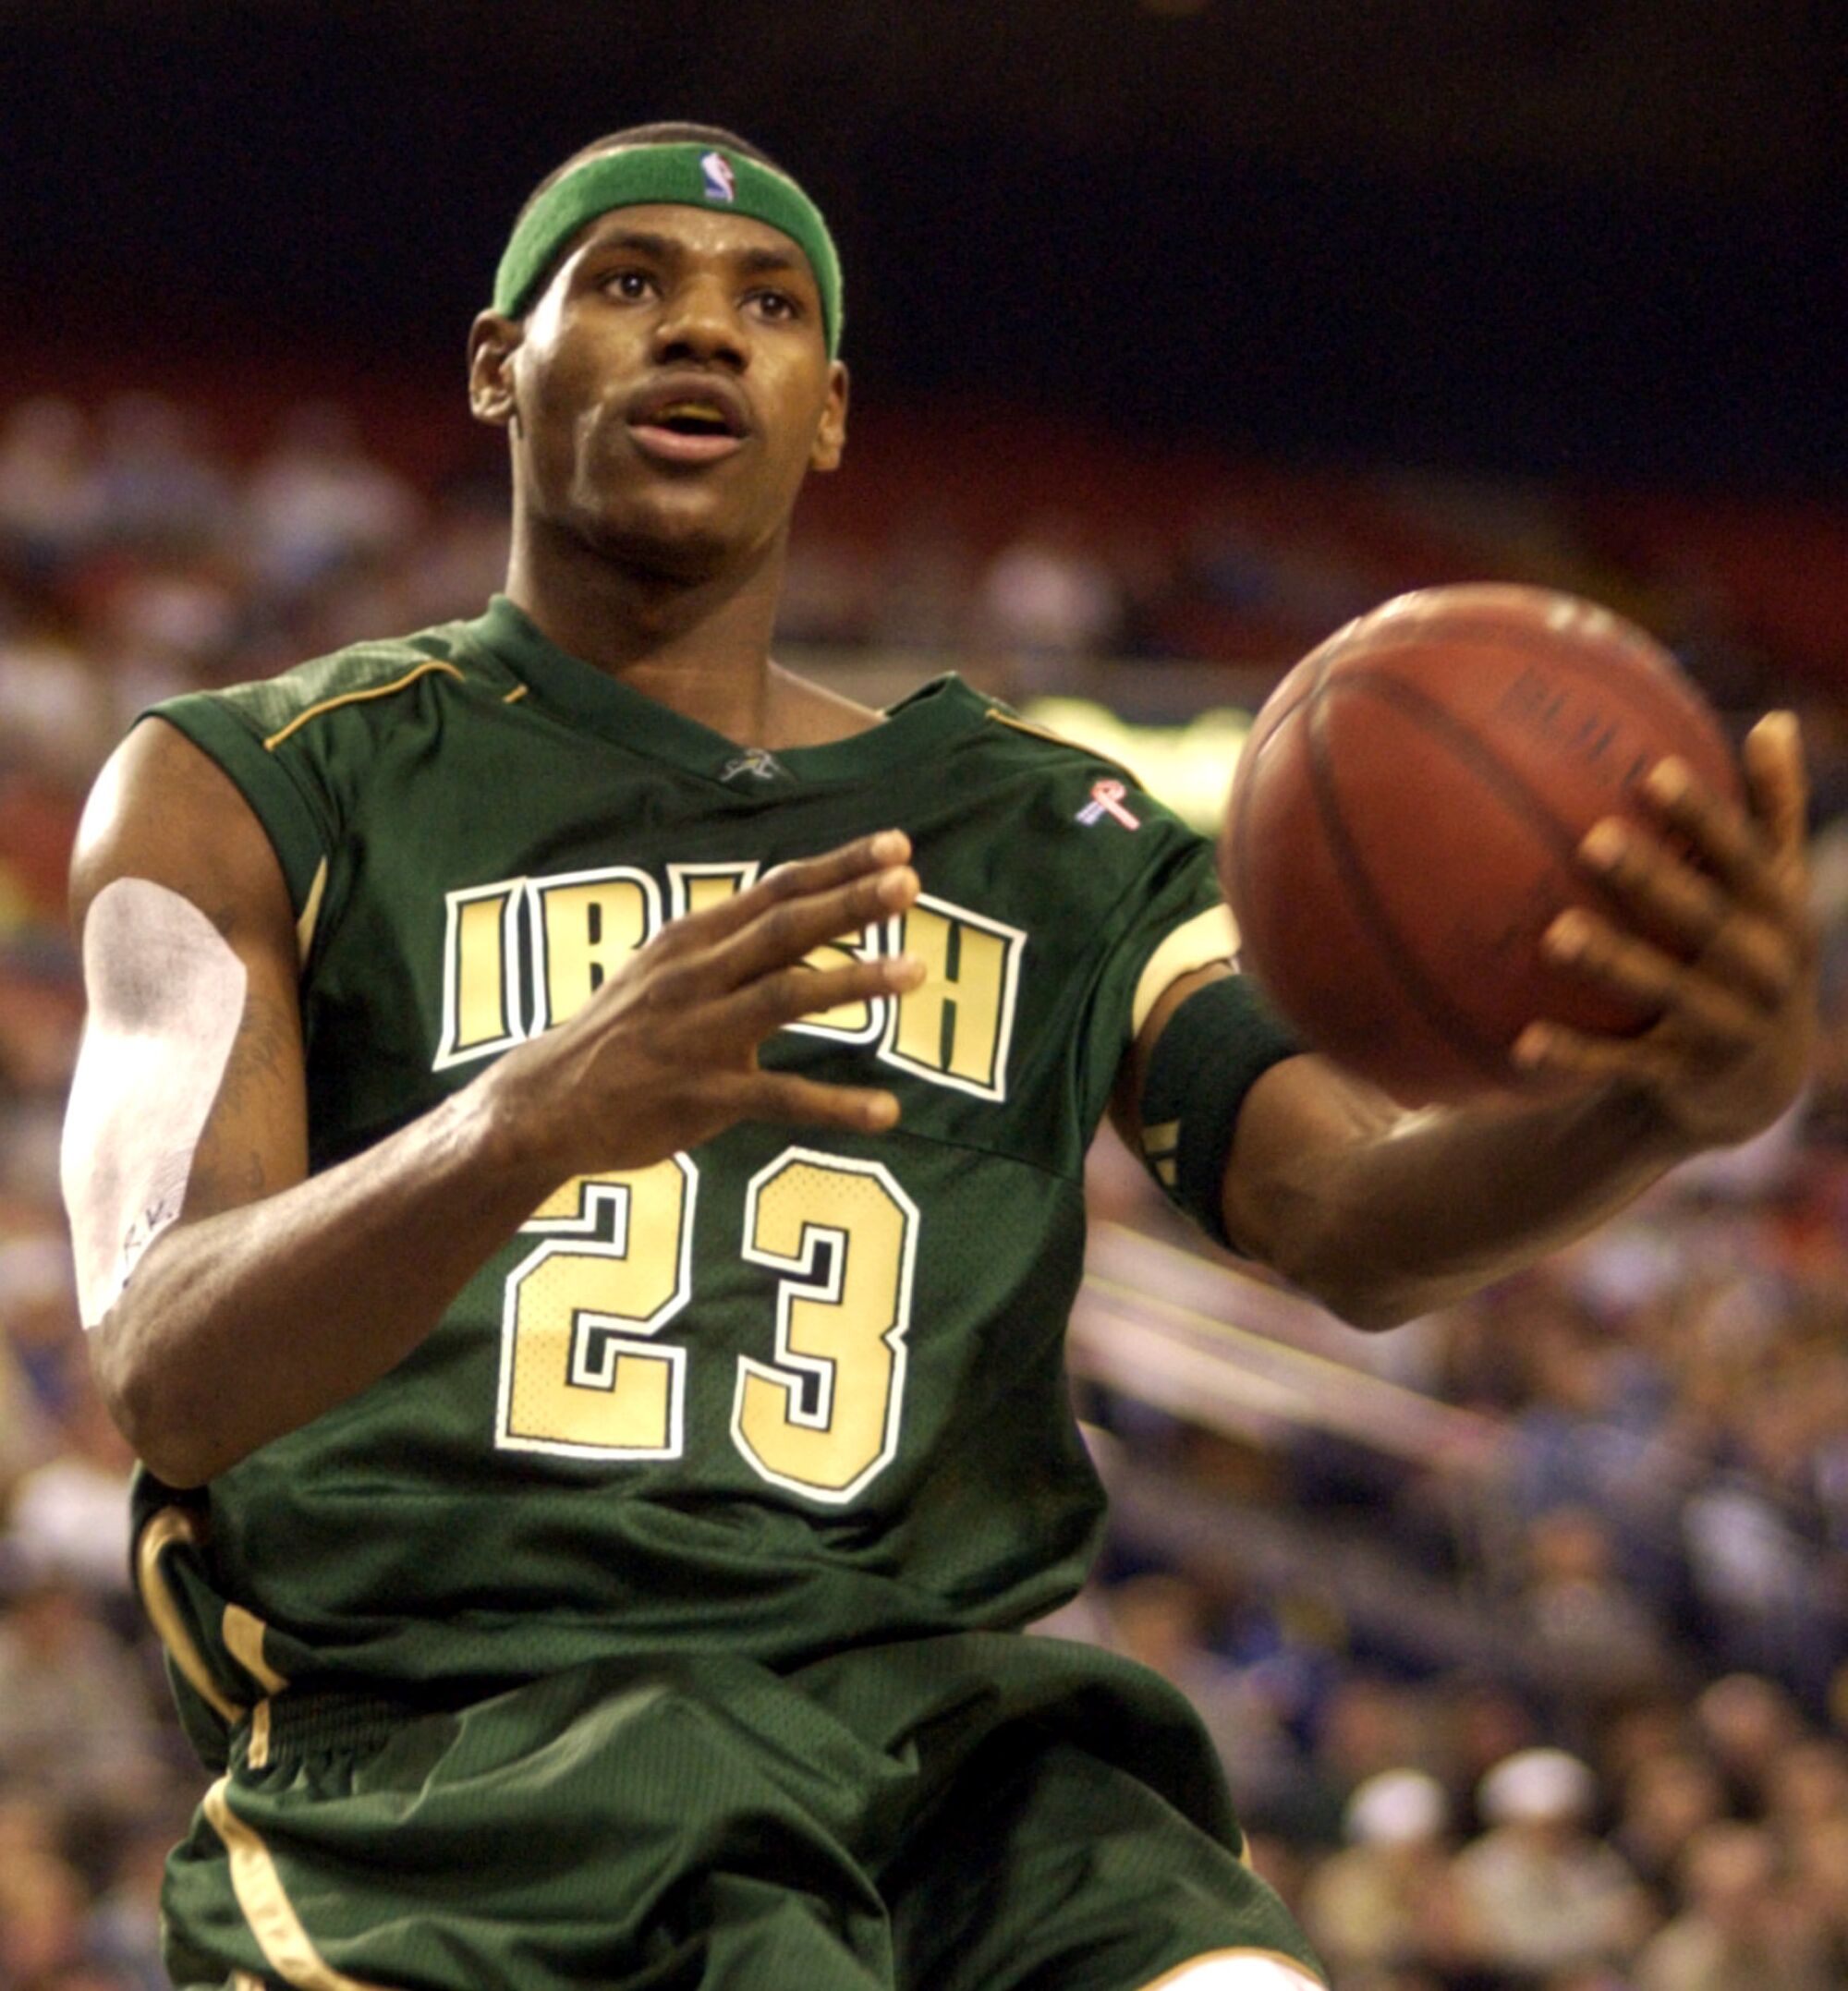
<point x="1107" y="800"/>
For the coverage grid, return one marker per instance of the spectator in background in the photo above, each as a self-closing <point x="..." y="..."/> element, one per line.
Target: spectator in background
<point x="1666" y="1799"/>
<point x="1387" y="1899"/>
<point x="1819" y="1860"/>
<point x="1538" y="1891"/>
<point x="76" y="1726"/>
<point x="38" y="1313"/>
<point x="57" y="714"/>
<point x="1746" y="1724"/>
<point x="318" y="502"/>
<point x="24" y="1436"/>
<point x="50" y="495"/>
<point x="162" y="489"/>
<point x="1045" y="600"/>
<point x="1478" y="1724"/>
<point x="71" y="1512"/>
<point x="41" y="1907"/>
<point x="1807" y="1787"/>
<point x="1742" y="1929"/>
<point x="124" y="1927"/>
<point x="164" y="626"/>
<point x="1757" y="1542"/>
<point x="1367" y="1725"/>
<point x="1591" y="1629"/>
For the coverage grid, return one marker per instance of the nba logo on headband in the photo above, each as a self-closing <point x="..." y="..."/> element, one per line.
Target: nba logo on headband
<point x="720" y="182"/>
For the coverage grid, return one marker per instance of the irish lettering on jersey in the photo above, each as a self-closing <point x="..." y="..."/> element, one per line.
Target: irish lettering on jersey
<point x="524" y="954"/>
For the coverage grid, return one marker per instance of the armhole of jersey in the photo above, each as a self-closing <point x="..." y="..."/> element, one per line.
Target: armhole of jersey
<point x="1202" y="941"/>
<point x="297" y="837"/>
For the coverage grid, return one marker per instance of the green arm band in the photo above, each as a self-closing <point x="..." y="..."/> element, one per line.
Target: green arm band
<point x="674" y="176"/>
<point x="1214" y="1048"/>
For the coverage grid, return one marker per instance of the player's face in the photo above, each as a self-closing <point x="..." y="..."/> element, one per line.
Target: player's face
<point x="672" y="387"/>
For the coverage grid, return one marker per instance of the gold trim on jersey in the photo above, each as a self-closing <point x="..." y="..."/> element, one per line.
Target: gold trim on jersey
<point x="1059" y="739"/>
<point x="287" y="1945"/>
<point x="310" y="914"/>
<point x="1295" y="1965"/>
<point x="1201" y="942"/>
<point x="517" y="694"/>
<point x="355" y="697"/>
<point x="243" y="1634"/>
<point x="180" y="1525"/>
<point x="257" y="1754"/>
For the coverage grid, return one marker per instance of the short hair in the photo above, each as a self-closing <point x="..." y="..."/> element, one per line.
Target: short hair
<point x="656" y="134"/>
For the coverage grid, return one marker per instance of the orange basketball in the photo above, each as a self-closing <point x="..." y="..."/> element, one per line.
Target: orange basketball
<point x="1403" y="822"/>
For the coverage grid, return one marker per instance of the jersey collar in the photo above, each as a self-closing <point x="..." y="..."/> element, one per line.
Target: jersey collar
<point x="915" y="727"/>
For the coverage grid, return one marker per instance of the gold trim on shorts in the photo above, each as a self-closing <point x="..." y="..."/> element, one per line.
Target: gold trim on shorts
<point x="288" y="1947"/>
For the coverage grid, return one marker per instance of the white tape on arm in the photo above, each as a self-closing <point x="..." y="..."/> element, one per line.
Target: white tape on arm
<point x="166" y="997"/>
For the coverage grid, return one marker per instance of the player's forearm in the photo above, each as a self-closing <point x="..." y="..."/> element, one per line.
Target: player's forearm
<point x="1411" y="1214"/>
<point x="239" y="1326"/>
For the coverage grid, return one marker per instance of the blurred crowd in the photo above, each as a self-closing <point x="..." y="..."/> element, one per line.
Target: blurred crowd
<point x="1634" y="1770"/>
<point x="1576" y="1719"/>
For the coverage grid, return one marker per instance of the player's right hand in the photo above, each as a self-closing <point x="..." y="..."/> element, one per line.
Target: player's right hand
<point x="665" y="1055"/>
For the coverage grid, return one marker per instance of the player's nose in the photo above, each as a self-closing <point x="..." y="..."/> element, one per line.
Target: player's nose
<point x="700" y="324"/>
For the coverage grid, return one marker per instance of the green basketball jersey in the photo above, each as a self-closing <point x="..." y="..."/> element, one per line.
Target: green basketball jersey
<point x="782" y="1394"/>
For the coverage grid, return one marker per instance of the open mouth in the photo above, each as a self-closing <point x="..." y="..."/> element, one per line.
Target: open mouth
<point x="687" y="428"/>
<point x="692" y="417"/>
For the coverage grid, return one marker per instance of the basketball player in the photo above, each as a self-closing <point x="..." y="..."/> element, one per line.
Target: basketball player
<point x="575" y="1167"/>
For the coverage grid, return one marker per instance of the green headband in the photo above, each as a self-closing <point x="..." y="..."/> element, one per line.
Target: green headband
<point x="679" y="176"/>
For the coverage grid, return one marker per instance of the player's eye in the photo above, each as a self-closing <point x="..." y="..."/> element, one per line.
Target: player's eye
<point x="777" y="306"/>
<point x="630" y="284"/>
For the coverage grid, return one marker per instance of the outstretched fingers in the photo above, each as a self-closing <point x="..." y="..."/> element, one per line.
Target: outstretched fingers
<point x="1706" y="1007"/>
<point x="1555" y="1051"/>
<point x="1740" y="943"/>
<point x="794" y="913"/>
<point x="1709" y="932"/>
<point x="787" y="1101"/>
<point x="866" y="856"/>
<point x="1721" y="886"/>
<point x="761" y="1007"/>
<point x="1754" y="854"/>
<point x="1779" y="778"/>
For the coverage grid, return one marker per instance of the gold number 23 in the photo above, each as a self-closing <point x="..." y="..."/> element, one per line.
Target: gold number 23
<point x="583" y="1374"/>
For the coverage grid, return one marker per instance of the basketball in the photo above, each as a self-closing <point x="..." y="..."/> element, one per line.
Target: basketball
<point x="1405" y="819"/>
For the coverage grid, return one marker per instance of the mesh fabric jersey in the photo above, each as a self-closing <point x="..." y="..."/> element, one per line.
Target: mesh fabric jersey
<point x="785" y="1394"/>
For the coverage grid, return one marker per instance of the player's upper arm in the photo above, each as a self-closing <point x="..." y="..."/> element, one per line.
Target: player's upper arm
<point x="188" y="1096"/>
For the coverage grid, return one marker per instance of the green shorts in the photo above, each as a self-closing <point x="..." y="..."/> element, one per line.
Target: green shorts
<point x="967" y="1813"/>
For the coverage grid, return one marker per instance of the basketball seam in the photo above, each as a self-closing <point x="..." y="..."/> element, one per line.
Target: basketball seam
<point x="1427" y="999"/>
<point x="1241" y="842"/>
<point x="1477" y="754"/>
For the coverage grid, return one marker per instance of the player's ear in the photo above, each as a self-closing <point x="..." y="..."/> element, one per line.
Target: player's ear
<point x="493" y="342"/>
<point x="831" y="437"/>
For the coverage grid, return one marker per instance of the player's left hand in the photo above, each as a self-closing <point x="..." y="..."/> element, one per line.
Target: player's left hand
<point x="1736" y="989"/>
